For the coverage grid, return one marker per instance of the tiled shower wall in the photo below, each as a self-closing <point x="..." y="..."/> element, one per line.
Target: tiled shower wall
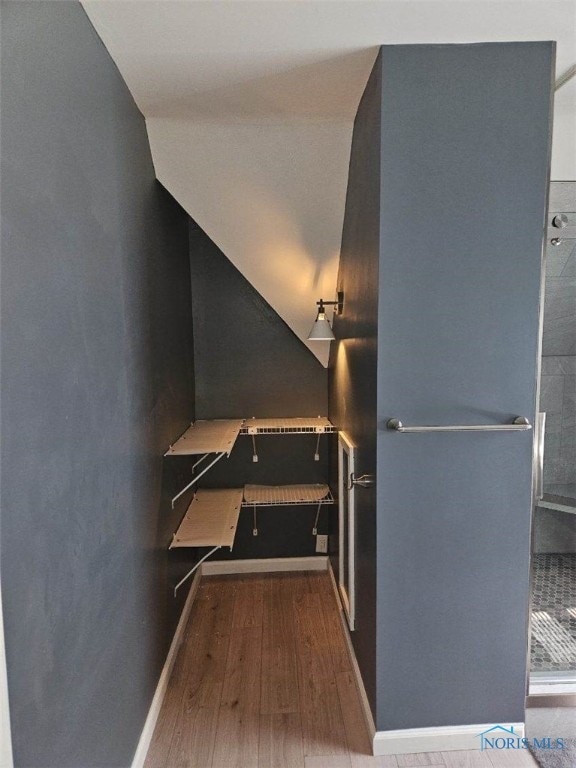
<point x="558" y="384"/>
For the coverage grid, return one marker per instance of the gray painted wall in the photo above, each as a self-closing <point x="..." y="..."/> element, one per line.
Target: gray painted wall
<point x="465" y="153"/>
<point x="97" y="379"/>
<point x="447" y="189"/>
<point x="249" y="363"/>
<point x="353" y="357"/>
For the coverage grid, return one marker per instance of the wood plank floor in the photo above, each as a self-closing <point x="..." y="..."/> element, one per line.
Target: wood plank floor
<point x="263" y="680"/>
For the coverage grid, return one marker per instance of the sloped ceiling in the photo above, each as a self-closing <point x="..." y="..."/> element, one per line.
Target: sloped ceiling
<point x="274" y="202"/>
<point x="250" y="105"/>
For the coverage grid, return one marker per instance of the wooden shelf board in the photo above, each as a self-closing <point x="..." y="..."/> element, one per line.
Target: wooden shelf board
<point x="207" y="436"/>
<point x="211" y="519"/>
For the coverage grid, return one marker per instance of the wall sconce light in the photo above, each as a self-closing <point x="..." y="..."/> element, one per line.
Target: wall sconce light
<point x="321" y="330"/>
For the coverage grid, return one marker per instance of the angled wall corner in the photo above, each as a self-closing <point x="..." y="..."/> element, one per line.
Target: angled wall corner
<point x="271" y="197"/>
<point x="248" y="362"/>
<point x="441" y="328"/>
<point x="353" y="359"/>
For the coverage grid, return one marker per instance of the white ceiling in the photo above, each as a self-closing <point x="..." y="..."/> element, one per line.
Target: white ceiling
<point x="249" y="106"/>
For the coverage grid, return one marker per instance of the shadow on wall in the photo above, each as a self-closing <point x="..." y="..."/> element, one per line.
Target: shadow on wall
<point x="247" y="360"/>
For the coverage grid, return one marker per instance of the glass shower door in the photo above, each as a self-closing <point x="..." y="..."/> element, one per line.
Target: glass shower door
<point x="553" y="621"/>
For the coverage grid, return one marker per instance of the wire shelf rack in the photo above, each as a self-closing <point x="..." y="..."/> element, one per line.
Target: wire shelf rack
<point x="286" y="495"/>
<point x="282" y="426"/>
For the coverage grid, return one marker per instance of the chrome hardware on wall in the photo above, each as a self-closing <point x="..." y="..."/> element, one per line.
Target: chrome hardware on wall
<point x="364" y="481"/>
<point x="568" y="232"/>
<point x="560" y="221"/>
<point x="520" y="424"/>
<point x="539" y="456"/>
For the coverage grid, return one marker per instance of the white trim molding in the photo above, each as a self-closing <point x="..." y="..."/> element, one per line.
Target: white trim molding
<point x="265" y="565"/>
<point x="347" y="526"/>
<point x="552" y="689"/>
<point x="270" y="565"/>
<point x="413" y="740"/>
<point x="366" y="710"/>
<point x="441" y="739"/>
<point x="156" y="705"/>
<point x="552" y="684"/>
<point x="5" y="732"/>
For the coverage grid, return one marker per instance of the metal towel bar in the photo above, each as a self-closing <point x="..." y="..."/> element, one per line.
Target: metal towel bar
<point x="520" y="424"/>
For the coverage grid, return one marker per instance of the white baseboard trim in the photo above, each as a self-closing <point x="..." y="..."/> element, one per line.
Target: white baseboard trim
<point x="264" y="565"/>
<point x="335" y="588"/>
<point x="269" y="565"/>
<point x="155" y="706"/>
<point x="442" y="739"/>
<point x="407" y="741"/>
<point x="6" y="759"/>
<point x="413" y="740"/>
<point x="366" y="709"/>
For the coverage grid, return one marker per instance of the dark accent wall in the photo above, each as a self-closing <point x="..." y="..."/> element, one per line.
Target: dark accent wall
<point x="465" y="154"/>
<point x="249" y="363"/>
<point x="354" y="356"/>
<point x="463" y="144"/>
<point x="97" y="380"/>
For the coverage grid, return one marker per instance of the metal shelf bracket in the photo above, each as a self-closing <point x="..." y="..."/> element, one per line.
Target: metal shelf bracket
<point x="195" y="479"/>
